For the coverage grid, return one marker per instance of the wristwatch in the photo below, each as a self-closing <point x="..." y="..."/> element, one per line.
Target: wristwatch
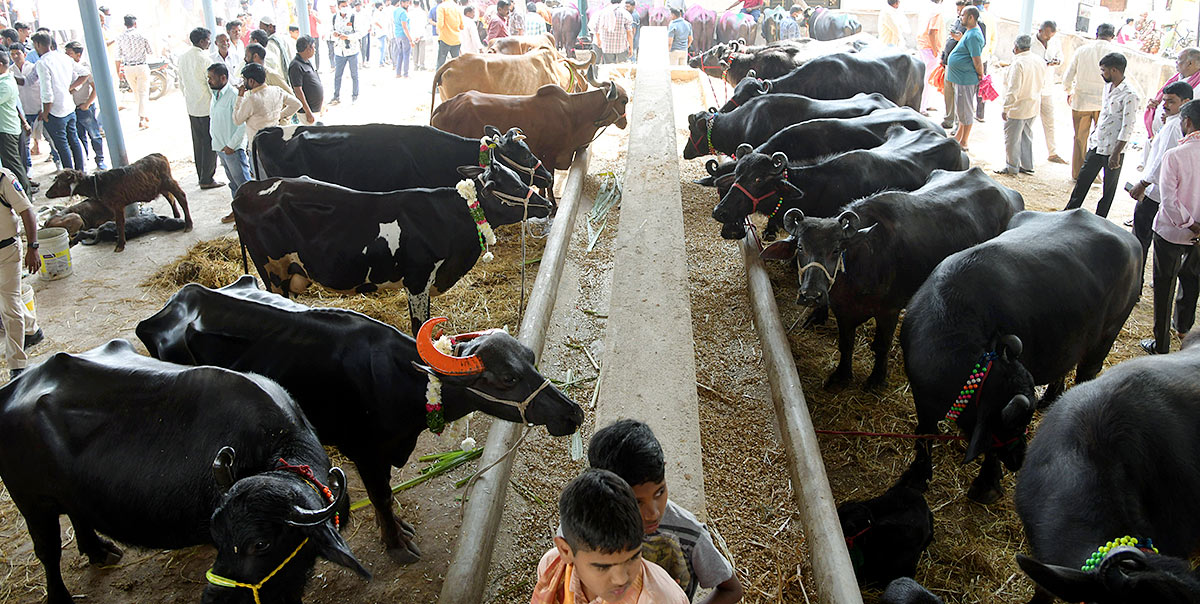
<point x="33" y="245"/>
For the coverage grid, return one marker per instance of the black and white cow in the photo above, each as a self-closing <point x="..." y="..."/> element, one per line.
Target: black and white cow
<point x="1047" y="296"/>
<point x="360" y="382"/>
<point x="165" y="456"/>
<point x="300" y="231"/>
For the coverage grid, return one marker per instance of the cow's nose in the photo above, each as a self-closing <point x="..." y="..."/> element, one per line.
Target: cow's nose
<point x="811" y="298"/>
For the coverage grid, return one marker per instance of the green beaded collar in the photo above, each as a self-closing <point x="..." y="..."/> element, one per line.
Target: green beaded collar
<point x="1096" y="558"/>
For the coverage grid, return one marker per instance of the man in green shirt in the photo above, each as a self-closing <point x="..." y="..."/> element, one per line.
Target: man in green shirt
<point x="11" y="124"/>
<point x="964" y="69"/>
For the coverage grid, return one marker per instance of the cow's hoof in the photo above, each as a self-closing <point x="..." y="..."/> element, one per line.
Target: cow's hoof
<point x="119" y="248"/>
<point x="407" y="553"/>
<point x="875" y="383"/>
<point x="108" y="555"/>
<point x="837" y="380"/>
<point x="984" y="494"/>
<point x="405" y="528"/>
<point x="187" y="228"/>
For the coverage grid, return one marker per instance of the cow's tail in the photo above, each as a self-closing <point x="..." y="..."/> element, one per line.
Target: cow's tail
<point x="437" y="81"/>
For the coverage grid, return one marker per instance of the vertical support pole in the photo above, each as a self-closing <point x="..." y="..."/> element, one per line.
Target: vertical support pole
<point x="210" y="17"/>
<point x="1026" y="17"/>
<point x="105" y="88"/>
<point x="302" y="9"/>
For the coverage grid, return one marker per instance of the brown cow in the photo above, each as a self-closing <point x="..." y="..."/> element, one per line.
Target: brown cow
<point x="519" y="45"/>
<point x="510" y="74"/>
<point x="555" y="123"/>
<point x="87" y="214"/>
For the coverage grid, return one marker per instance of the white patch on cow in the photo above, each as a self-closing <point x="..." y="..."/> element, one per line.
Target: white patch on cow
<point x="289" y="131"/>
<point x="389" y="232"/>
<point x="432" y="275"/>
<point x="270" y="189"/>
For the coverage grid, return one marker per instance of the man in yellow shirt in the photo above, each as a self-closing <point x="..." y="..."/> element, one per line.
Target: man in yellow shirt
<point x="449" y="28"/>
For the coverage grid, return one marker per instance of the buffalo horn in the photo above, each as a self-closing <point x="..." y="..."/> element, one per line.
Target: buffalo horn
<point x="751" y="74"/>
<point x="222" y="468"/>
<point x="304" y="517"/>
<point x="712" y="109"/>
<point x="743" y="150"/>
<point x="766" y="86"/>
<point x="611" y="93"/>
<point x="792" y="219"/>
<point x="440" y="362"/>
<point x="848" y="220"/>
<point x="1015" y="409"/>
<point x="779" y="158"/>
<point x="711" y="166"/>
<point x="1011" y="347"/>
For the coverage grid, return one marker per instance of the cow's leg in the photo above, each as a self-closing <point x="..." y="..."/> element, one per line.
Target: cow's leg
<point x="47" y="545"/>
<point x="885" y="331"/>
<point x="119" y="219"/>
<point x="1053" y="391"/>
<point x="986" y="489"/>
<point x="818" y="317"/>
<point x="397" y="535"/>
<point x="841" y="376"/>
<point x="100" y="551"/>
<point x="418" y="309"/>
<point x="173" y="188"/>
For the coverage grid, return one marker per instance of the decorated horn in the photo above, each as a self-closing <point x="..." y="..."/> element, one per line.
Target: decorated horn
<point x="439" y="361"/>
<point x="304" y="517"/>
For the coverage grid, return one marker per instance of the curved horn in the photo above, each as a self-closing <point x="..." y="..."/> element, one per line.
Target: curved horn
<point x="611" y="93"/>
<point x="766" y="86"/>
<point x="711" y="166"/>
<point x="849" y="220"/>
<point x="752" y="74"/>
<point x="304" y="517"/>
<point x="791" y="219"/>
<point x="779" y="158"/>
<point x="440" y="362"/>
<point x="712" y="109"/>
<point x="222" y="468"/>
<point x="1020" y="406"/>
<point x="743" y="150"/>
<point x="1012" y="347"/>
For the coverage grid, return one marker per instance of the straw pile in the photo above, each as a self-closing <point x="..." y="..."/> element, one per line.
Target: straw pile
<point x="488" y="296"/>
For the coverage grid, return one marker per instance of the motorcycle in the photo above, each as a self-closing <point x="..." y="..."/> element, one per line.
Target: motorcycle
<point x="163" y="76"/>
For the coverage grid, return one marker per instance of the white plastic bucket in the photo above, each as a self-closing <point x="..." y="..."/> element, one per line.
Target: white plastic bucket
<point x="56" y="253"/>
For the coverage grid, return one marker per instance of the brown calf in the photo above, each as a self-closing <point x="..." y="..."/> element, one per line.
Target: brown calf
<point x="555" y="123"/>
<point x="143" y="180"/>
<point x="87" y="214"/>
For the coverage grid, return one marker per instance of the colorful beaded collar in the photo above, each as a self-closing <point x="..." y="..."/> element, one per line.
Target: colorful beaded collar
<point x="970" y="390"/>
<point x="1096" y="558"/>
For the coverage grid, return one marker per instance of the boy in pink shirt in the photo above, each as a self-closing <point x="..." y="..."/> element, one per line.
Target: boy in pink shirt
<point x="598" y="558"/>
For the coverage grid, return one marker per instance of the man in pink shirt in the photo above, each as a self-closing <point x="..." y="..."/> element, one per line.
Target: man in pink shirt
<point x="1175" y="234"/>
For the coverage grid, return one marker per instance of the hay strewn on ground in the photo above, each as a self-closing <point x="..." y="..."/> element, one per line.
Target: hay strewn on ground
<point x="488" y="296"/>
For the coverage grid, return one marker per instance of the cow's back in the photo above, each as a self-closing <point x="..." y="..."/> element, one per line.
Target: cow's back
<point x="498" y="74"/>
<point x="368" y="157"/>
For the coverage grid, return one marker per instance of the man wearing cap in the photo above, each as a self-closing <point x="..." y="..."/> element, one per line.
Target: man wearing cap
<point x="277" y="53"/>
<point x="20" y="327"/>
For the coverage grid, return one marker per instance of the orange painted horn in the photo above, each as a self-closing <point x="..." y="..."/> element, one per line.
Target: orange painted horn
<point x="440" y="362"/>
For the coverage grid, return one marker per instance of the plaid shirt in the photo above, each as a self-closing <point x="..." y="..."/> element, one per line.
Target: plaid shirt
<point x="611" y="27"/>
<point x="132" y="47"/>
<point x="534" y="25"/>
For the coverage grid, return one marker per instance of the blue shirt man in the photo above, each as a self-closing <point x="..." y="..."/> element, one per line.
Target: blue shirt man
<point x="678" y="32"/>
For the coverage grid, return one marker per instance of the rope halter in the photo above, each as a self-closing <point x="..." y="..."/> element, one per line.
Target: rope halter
<point x="756" y="200"/>
<point x="532" y="172"/>
<point x="708" y="123"/>
<point x="520" y="407"/>
<point x="840" y="267"/>
<point x="513" y="200"/>
<point x="220" y="581"/>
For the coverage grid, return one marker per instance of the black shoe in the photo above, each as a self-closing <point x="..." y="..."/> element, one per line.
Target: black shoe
<point x="15" y="373"/>
<point x="34" y="339"/>
<point x="216" y="184"/>
<point x="1150" y="346"/>
<point x="1024" y="171"/>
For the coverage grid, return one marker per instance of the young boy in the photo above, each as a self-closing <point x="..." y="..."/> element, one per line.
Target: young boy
<point x="629" y="449"/>
<point x="598" y="558"/>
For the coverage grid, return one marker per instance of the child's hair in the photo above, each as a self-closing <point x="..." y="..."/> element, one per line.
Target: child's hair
<point x="629" y="449"/>
<point x="599" y="513"/>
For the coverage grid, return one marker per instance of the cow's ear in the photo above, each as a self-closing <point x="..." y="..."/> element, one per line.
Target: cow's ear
<point x="470" y="171"/>
<point x="332" y="547"/>
<point x="1065" y="583"/>
<point x="780" y="250"/>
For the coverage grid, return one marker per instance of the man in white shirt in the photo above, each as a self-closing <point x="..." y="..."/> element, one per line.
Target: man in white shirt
<point x="193" y="81"/>
<point x="225" y="53"/>
<point x="1114" y="128"/>
<point x="1047" y="46"/>
<point x="87" y="124"/>
<point x="893" y="26"/>
<point x="470" y="33"/>
<point x="1022" y="96"/>
<point x="258" y="105"/>
<point x="1085" y="90"/>
<point x="277" y="46"/>
<point x="347" y="33"/>
<point x="57" y="74"/>
<point x="1146" y="191"/>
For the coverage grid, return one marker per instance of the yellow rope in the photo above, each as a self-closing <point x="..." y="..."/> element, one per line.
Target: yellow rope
<point x="220" y="581"/>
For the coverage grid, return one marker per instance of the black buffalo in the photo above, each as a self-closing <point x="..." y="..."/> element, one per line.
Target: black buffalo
<point x="769" y="185"/>
<point x="825" y="25"/>
<point x="299" y="231"/>
<point x="1126" y="575"/>
<point x="386" y="157"/>
<point x="896" y="75"/>
<point x="1117" y="456"/>
<point x="164" y="456"/>
<point x="907" y="591"/>
<point x="870" y="260"/>
<point x="362" y="383"/>
<point x="710" y="132"/>
<point x="732" y="61"/>
<point x="886" y="535"/>
<point x="1047" y="296"/>
<point x="815" y="138"/>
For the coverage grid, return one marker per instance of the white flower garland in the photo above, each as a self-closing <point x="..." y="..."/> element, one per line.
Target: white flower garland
<point x="433" y="391"/>
<point x="466" y="190"/>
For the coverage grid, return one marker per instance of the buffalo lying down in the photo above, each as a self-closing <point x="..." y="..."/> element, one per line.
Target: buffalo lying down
<point x="164" y="456"/>
<point x="362" y="383"/>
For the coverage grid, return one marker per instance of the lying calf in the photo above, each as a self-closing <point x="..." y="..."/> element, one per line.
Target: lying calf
<point x="886" y="535"/>
<point x="146" y="222"/>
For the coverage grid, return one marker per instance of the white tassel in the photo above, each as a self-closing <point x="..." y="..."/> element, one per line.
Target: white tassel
<point x="468" y="443"/>
<point x="488" y="257"/>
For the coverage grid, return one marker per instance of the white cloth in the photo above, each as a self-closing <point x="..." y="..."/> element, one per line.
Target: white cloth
<point x="233" y="62"/>
<point x="262" y="107"/>
<point x="893" y="26"/>
<point x="470" y="36"/>
<point x="1167" y="139"/>
<point x="193" y="81"/>
<point x="55" y="72"/>
<point x="1082" y="79"/>
<point x="81" y="94"/>
<point x="1023" y="86"/>
<point x="29" y="92"/>
<point x="351" y="28"/>
<point x="1050" y="51"/>
<point x="1118" y="117"/>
